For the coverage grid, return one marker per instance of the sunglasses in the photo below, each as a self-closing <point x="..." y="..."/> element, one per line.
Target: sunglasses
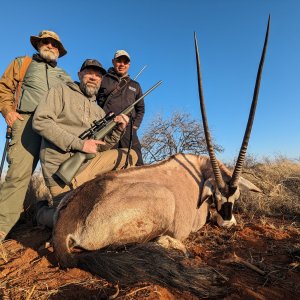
<point x="47" y="41"/>
<point x="123" y="60"/>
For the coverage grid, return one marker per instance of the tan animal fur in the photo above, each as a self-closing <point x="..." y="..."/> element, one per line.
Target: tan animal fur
<point x="137" y="205"/>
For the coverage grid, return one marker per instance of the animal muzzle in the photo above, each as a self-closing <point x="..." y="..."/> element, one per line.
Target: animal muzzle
<point x="226" y="211"/>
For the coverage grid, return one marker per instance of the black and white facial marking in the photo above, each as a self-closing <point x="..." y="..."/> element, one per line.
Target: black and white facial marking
<point x="224" y="206"/>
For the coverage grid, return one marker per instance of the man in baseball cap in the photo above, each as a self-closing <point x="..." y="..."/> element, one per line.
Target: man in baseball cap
<point x="117" y="92"/>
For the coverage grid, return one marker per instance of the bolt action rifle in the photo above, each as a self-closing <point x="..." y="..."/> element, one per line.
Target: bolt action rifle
<point x="8" y="137"/>
<point x="70" y="167"/>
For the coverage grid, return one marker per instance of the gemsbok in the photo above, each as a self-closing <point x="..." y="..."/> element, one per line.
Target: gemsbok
<point x="163" y="202"/>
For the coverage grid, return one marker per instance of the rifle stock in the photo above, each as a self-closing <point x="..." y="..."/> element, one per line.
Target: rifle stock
<point x="70" y="167"/>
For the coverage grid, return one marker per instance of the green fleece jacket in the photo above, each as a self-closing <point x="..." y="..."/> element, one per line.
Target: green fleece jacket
<point x="60" y="118"/>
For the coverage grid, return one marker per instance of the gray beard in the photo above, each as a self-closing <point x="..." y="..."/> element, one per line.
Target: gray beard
<point x="89" y="91"/>
<point x="48" y="55"/>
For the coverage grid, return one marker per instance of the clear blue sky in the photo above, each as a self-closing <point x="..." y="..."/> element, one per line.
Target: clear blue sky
<point x="159" y="33"/>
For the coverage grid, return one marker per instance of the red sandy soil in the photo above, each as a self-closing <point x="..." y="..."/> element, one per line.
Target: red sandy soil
<point x="28" y="270"/>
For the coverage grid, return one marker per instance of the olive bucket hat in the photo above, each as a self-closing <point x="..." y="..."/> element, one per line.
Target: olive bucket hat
<point x="48" y="34"/>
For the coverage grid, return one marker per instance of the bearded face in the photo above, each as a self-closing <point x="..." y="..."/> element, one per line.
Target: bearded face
<point x="90" y="81"/>
<point x="48" y="52"/>
<point x="89" y="89"/>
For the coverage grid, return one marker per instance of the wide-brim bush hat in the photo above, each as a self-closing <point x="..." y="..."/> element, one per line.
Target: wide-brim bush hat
<point x="48" y="34"/>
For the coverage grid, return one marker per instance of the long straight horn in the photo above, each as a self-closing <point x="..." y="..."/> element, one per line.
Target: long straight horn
<point x="242" y="154"/>
<point x="218" y="176"/>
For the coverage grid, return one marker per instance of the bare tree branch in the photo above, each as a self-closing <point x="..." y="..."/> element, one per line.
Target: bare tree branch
<point x="178" y="134"/>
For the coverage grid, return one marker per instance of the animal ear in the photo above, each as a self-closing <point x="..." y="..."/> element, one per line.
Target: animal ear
<point x="245" y="184"/>
<point x="207" y="192"/>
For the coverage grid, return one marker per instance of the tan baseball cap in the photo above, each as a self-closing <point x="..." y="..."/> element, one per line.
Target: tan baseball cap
<point x="121" y="53"/>
<point x="48" y="34"/>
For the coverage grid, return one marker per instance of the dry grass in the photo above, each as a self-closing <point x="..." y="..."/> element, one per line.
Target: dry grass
<point x="37" y="191"/>
<point x="279" y="179"/>
<point x="3" y="253"/>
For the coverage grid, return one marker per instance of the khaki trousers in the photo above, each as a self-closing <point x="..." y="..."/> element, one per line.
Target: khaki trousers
<point x="22" y="157"/>
<point x="103" y="162"/>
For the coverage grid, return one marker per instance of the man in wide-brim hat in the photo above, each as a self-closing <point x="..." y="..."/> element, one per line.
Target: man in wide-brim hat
<point x="24" y="83"/>
<point x="47" y="35"/>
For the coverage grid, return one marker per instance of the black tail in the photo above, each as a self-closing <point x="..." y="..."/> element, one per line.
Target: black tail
<point x="151" y="263"/>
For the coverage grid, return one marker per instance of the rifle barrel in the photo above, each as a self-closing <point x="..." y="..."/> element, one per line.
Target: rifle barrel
<point x="140" y="72"/>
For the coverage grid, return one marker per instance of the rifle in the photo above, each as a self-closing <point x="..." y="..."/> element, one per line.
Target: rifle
<point x="70" y="167"/>
<point x="139" y="73"/>
<point x="8" y="137"/>
<point x="90" y="133"/>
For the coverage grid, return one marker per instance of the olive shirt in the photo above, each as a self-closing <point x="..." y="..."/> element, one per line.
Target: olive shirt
<point x="60" y="118"/>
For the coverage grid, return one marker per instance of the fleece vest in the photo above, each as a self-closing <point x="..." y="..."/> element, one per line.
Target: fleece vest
<point x="39" y="78"/>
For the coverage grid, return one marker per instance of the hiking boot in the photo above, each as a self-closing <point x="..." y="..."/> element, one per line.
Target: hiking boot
<point x="40" y="204"/>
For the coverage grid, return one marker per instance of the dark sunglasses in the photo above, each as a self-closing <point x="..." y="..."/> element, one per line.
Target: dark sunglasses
<point x="53" y="42"/>
<point x="123" y="60"/>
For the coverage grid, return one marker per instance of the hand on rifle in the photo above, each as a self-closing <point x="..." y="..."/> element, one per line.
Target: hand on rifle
<point x="122" y="121"/>
<point x="11" y="117"/>
<point x="91" y="146"/>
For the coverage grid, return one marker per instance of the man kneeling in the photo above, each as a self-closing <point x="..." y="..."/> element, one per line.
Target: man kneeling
<point x="67" y="111"/>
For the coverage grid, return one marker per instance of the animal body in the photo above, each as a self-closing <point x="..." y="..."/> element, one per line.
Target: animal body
<point x="137" y="205"/>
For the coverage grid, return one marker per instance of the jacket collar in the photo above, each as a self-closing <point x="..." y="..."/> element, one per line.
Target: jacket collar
<point x="75" y="86"/>
<point x="111" y="72"/>
<point x="38" y="58"/>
